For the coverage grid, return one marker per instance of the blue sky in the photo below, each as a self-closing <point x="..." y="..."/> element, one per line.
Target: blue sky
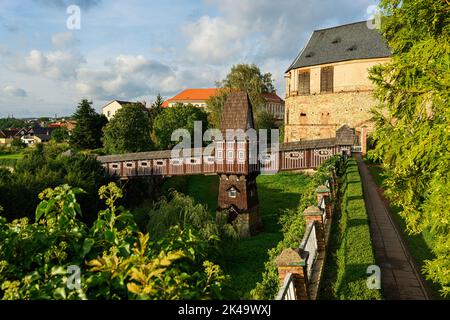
<point x="132" y="50"/>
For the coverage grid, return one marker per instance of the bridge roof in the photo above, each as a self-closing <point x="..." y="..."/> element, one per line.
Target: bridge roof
<point x="308" y="144"/>
<point x="151" y="155"/>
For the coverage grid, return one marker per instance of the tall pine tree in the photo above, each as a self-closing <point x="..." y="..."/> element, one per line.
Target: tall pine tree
<point x="88" y="131"/>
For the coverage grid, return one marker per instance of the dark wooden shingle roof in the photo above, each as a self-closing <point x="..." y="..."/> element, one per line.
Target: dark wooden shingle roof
<point x="237" y="112"/>
<point x="150" y="155"/>
<point x="342" y="43"/>
<point x="308" y="144"/>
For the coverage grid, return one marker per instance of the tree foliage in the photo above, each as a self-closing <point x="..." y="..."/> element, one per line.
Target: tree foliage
<point x="129" y="131"/>
<point x="155" y="109"/>
<point x="293" y="225"/>
<point x="177" y="117"/>
<point x="60" y="135"/>
<point x="265" y="120"/>
<point x="88" y="131"/>
<point x="413" y="120"/>
<point x="243" y="77"/>
<point x="115" y="260"/>
<point x="7" y="123"/>
<point x="46" y="167"/>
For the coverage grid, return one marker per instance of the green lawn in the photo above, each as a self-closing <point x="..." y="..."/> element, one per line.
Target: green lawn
<point x="15" y="156"/>
<point x="419" y="245"/>
<point x="350" y="247"/>
<point x="9" y="160"/>
<point x="245" y="261"/>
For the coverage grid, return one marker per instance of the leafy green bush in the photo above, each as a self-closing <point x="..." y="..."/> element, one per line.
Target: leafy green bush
<point x="45" y="167"/>
<point x="181" y="211"/>
<point x="116" y="261"/>
<point x="293" y="227"/>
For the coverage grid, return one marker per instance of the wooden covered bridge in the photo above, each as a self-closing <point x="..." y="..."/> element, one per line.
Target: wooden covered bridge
<point x="235" y="161"/>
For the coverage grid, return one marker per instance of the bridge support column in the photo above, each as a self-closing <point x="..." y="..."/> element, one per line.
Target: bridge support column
<point x="238" y="197"/>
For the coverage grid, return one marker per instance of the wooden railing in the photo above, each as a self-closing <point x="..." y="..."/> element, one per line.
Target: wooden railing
<point x="309" y="247"/>
<point x="287" y="291"/>
<point x="357" y="149"/>
<point x="300" y="269"/>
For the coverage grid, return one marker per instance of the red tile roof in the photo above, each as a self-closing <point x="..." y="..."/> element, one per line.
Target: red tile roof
<point x="205" y="94"/>
<point x="192" y="95"/>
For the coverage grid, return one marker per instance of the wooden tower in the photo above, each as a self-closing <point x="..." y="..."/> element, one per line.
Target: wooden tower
<point x="238" y="195"/>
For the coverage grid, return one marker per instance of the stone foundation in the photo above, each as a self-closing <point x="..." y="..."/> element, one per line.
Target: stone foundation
<point x="247" y="224"/>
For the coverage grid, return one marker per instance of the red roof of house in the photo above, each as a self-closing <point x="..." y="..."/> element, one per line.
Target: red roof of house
<point x="192" y="95"/>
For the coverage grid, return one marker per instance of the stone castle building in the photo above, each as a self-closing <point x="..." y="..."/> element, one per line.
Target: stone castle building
<point x="328" y="83"/>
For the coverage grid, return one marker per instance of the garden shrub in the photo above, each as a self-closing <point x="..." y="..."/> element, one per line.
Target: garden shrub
<point x="116" y="260"/>
<point x="293" y="227"/>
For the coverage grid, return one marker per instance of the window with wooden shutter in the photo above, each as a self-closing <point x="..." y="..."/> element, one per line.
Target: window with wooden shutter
<point x="326" y="79"/>
<point x="304" y="82"/>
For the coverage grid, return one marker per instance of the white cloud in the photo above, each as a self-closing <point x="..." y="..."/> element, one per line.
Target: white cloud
<point x="266" y="32"/>
<point x="63" y="39"/>
<point x="135" y="76"/>
<point x="265" y="29"/>
<point x="213" y="40"/>
<point x="13" y="91"/>
<point x="55" y="64"/>
<point x="127" y="77"/>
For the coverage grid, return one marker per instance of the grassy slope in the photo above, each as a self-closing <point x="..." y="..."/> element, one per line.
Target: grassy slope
<point x="10" y="159"/>
<point x="420" y="244"/>
<point x="350" y="250"/>
<point x="245" y="263"/>
<point x="15" y="156"/>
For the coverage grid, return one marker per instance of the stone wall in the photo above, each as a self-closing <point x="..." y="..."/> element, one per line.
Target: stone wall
<point x="319" y="116"/>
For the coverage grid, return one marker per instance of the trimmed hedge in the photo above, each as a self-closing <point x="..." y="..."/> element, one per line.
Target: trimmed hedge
<point x="351" y="245"/>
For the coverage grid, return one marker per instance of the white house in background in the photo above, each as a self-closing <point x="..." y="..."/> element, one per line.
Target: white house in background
<point x="110" y="109"/>
<point x="28" y="140"/>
